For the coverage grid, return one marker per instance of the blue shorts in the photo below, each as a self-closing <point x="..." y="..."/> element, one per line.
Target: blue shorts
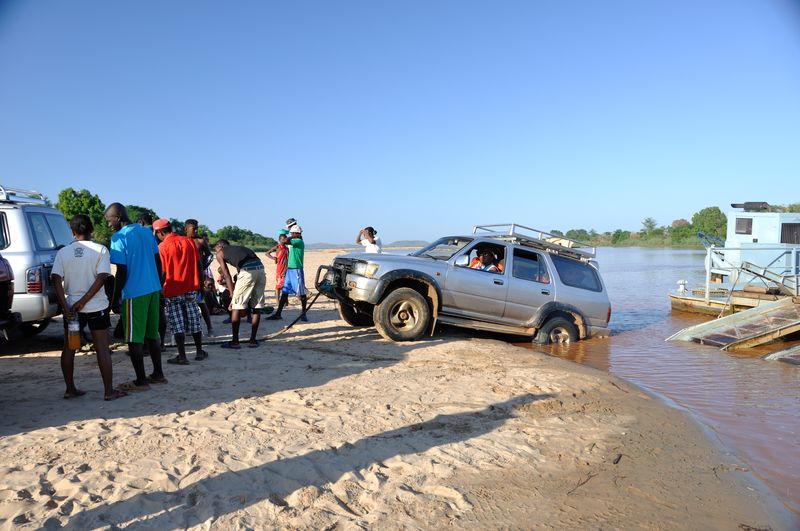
<point x="294" y="283"/>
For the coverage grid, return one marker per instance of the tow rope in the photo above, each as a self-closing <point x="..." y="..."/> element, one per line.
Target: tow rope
<point x="287" y="327"/>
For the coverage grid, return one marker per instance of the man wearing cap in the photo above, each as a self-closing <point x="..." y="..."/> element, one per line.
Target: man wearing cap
<point x="135" y="253"/>
<point x="294" y="284"/>
<point x="248" y="290"/>
<point x="180" y="283"/>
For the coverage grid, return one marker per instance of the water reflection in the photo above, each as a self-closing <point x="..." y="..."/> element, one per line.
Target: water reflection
<point x="753" y="405"/>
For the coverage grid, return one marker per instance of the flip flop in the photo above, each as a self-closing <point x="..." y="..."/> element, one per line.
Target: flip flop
<point x="133" y="387"/>
<point x="230" y="345"/>
<point x="76" y="394"/>
<point x="156" y="379"/>
<point x="201" y="355"/>
<point x="252" y="345"/>
<point x="177" y="360"/>
<point x="115" y="394"/>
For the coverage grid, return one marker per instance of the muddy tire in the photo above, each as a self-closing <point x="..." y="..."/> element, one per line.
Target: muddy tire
<point x="403" y="315"/>
<point x="557" y="330"/>
<point x="351" y="316"/>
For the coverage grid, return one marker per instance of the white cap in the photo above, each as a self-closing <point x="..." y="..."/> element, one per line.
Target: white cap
<point x="296" y="228"/>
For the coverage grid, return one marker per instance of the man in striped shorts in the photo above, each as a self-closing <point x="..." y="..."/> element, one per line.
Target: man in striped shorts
<point x="181" y="284"/>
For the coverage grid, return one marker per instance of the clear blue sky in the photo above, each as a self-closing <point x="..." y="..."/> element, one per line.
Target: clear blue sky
<point x="419" y="118"/>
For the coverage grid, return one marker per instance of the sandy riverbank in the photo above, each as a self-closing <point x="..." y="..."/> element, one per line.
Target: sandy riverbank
<point x="331" y="425"/>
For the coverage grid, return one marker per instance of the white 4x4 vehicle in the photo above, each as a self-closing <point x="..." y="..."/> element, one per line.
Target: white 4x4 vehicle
<point x="31" y="233"/>
<point x="503" y="278"/>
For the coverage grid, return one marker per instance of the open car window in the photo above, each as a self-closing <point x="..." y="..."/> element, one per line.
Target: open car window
<point x="474" y="261"/>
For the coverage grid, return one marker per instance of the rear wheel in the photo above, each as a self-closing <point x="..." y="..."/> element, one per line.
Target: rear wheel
<point x="557" y="330"/>
<point x="352" y="316"/>
<point x="33" y="327"/>
<point x="403" y="315"/>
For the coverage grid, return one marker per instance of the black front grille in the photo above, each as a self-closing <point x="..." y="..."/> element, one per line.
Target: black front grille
<point x="345" y="265"/>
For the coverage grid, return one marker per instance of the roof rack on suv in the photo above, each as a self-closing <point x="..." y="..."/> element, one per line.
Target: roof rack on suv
<point x="538" y="239"/>
<point x="18" y="195"/>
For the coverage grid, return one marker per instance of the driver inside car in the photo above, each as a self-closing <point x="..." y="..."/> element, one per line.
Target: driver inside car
<point x="485" y="261"/>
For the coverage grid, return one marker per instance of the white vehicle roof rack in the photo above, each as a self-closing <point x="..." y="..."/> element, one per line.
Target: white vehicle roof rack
<point x="18" y="195"/>
<point x="538" y="239"/>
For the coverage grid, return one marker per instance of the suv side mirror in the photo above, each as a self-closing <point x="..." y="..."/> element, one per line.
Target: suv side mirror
<point x="463" y="260"/>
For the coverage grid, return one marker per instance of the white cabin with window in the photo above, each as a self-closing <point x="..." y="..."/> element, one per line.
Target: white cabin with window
<point x="761" y="237"/>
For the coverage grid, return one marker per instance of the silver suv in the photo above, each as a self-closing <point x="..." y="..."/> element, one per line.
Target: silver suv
<point x="503" y="278"/>
<point x="30" y="235"/>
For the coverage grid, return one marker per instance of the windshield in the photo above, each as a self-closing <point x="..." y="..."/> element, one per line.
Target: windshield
<point x="443" y="248"/>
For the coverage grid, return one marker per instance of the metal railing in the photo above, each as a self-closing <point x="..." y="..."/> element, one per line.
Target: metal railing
<point x="783" y="269"/>
<point x="19" y="195"/>
<point x="537" y="238"/>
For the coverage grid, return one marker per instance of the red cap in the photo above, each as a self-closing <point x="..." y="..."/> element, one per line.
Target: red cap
<point x="160" y="223"/>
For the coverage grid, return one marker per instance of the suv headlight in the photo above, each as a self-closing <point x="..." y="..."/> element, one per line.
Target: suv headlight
<point x="365" y="269"/>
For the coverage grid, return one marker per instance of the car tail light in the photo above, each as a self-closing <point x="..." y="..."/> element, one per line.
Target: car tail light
<point x="608" y="319"/>
<point x="34" y="281"/>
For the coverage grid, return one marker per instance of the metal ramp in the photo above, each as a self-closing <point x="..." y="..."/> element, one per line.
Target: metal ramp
<point x="749" y="328"/>
<point x="787" y="284"/>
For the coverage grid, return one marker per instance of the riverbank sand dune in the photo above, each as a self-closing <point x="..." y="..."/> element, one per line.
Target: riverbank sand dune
<point x="331" y="426"/>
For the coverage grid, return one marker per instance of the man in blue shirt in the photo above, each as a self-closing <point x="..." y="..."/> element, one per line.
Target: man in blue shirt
<point x="138" y="288"/>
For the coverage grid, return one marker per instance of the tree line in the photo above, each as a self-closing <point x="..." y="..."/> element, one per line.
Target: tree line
<point x="71" y="202"/>
<point x="680" y="233"/>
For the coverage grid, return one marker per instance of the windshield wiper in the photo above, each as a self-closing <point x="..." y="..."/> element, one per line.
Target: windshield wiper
<point x="427" y="255"/>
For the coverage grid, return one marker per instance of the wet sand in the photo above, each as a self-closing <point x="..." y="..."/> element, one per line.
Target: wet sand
<point x="329" y="425"/>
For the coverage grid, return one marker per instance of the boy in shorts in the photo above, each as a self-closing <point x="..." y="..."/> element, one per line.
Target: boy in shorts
<point x="79" y="274"/>
<point x="281" y="259"/>
<point x="294" y="283"/>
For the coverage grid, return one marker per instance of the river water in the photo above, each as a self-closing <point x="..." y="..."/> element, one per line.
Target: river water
<point x="752" y="405"/>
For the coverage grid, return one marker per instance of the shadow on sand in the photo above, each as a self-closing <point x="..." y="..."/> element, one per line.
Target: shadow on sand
<point x="216" y="496"/>
<point x="31" y="387"/>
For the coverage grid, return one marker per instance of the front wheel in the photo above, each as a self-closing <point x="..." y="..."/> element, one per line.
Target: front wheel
<point x="403" y="315"/>
<point x="352" y="316"/>
<point x="557" y="330"/>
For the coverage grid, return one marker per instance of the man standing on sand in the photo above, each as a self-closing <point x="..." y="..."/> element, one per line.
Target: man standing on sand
<point x="281" y="259"/>
<point x="190" y="226"/>
<point x="138" y="289"/>
<point x="294" y="283"/>
<point x="368" y="237"/>
<point x="248" y="290"/>
<point x="79" y="274"/>
<point x="181" y="286"/>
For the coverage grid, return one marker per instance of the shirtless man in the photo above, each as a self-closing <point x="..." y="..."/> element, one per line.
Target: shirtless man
<point x="190" y="227"/>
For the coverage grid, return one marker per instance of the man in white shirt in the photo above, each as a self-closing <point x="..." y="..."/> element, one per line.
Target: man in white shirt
<point x="368" y="237"/>
<point x="79" y="273"/>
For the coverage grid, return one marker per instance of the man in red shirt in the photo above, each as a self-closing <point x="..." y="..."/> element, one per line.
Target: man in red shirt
<point x="180" y="281"/>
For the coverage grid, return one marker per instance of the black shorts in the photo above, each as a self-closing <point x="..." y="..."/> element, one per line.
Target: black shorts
<point x="96" y="320"/>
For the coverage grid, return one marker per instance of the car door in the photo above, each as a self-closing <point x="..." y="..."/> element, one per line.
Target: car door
<point x="474" y="293"/>
<point x="530" y="286"/>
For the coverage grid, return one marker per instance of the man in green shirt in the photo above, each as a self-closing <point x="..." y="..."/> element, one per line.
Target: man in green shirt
<point x="294" y="283"/>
